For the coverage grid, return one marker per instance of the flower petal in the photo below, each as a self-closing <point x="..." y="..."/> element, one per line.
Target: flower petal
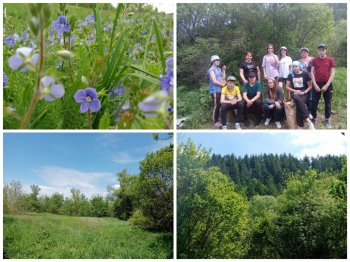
<point x="95" y="105"/>
<point x="47" y="81"/>
<point x="80" y="96"/>
<point x="26" y="51"/>
<point x="91" y="92"/>
<point x="84" y="107"/>
<point x="15" y="62"/>
<point x="57" y="91"/>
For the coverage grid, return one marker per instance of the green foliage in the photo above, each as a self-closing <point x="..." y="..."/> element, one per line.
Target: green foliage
<point x="212" y="217"/>
<point x="156" y="188"/>
<point x="306" y="217"/>
<point x="34" y="236"/>
<point x="13" y="197"/>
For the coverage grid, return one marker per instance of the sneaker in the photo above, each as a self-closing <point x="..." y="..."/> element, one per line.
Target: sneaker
<point x="310" y="124"/>
<point x="327" y="123"/>
<point x="278" y="124"/>
<point x="218" y="125"/>
<point x="300" y="128"/>
<point x="238" y="126"/>
<point x="267" y="121"/>
<point x="224" y="127"/>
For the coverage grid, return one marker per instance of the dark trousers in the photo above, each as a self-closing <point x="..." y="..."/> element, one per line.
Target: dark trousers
<point x="227" y="107"/>
<point x="301" y="108"/>
<point x="275" y="112"/>
<point x="215" y="98"/>
<point x="255" y="109"/>
<point x="327" y="97"/>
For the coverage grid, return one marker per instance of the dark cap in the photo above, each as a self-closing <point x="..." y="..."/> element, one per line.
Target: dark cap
<point x="231" y="78"/>
<point x="322" y="46"/>
<point x="252" y="74"/>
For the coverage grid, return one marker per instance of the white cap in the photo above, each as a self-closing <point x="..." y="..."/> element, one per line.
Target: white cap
<point x="283" y="47"/>
<point x="213" y="58"/>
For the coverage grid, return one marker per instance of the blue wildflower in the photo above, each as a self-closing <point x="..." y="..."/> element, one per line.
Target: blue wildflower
<point x="119" y="91"/>
<point x="16" y="37"/>
<point x="23" y="58"/>
<point x="170" y="109"/>
<point x="90" y="19"/>
<point x="4" y="79"/>
<point x="167" y="81"/>
<point x="61" y="25"/>
<point x="169" y="63"/>
<point x="154" y="103"/>
<point x="90" y="39"/>
<point x="24" y="36"/>
<point x="49" y="90"/>
<point x="10" y="41"/>
<point x="88" y="99"/>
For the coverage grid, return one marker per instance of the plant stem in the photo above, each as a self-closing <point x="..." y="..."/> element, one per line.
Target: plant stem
<point x="89" y="117"/>
<point x="35" y="98"/>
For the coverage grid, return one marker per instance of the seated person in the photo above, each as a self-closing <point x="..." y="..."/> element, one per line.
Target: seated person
<point x="274" y="102"/>
<point x="252" y="98"/>
<point x="299" y="84"/>
<point x="231" y="99"/>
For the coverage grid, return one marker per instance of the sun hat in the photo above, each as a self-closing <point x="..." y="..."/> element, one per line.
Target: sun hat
<point x="231" y="78"/>
<point x="214" y="57"/>
<point x="304" y="48"/>
<point x="283" y="47"/>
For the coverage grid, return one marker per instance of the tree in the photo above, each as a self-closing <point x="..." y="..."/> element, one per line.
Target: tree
<point x="211" y="216"/>
<point x="99" y="207"/>
<point x="13" y="197"/>
<point x="156" y="188"/>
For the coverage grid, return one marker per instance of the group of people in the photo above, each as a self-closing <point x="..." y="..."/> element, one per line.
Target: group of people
<point x="305" y="80"/>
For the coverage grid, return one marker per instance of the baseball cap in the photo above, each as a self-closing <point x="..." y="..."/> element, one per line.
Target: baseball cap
<point x="231" y="78"/>
<point x="304" y="48"/>
<point x="251" y="74"/>
<point x="214" y="57"/>
<point x="322" y="46"/>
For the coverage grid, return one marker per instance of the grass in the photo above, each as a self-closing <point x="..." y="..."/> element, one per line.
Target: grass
<point x="195" y="103"/>
<point x="33" y="235"/>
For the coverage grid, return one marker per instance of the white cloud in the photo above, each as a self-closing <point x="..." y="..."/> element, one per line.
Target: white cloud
<point x="319" y="143"/>
<point x="60" y="179"/>
<point x="124" y="158"/>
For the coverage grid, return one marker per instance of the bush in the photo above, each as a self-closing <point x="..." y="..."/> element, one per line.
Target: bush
<point x="140" y="220"/>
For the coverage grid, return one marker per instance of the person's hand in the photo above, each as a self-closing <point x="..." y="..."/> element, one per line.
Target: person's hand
<point x="278" y="105"/>
<point x="249" y="103"/>
<point x="245" y="81"/>
<point x="233" y="102"/>
<point x="276" y="57"/>
<point x="298" y="92"/>
<point x="317" y="88"/>
<point x="271" y="106"/>
<point x="223" y="68"/>
<point x="324" y="88"/>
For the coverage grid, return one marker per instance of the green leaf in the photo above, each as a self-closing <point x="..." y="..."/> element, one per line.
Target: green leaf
<point x="160" y="44"/>
<point x="104" y="122"/>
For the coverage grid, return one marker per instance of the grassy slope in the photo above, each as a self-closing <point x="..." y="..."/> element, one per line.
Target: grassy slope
<point x="195" y="103"/>
<point x="33" y="235"/>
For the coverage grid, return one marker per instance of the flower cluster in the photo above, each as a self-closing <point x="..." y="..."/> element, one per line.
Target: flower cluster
<point x="60" y="25"/>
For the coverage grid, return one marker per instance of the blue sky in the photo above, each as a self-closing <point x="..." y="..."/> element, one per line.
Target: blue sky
<point x="296" y="143"/>
<point x="87" y="161"/>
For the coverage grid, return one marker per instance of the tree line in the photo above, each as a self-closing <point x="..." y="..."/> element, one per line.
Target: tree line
<point x="266" y="174"/>
<point x="230" y="30"/>
<point x="146" y="199"/>
<point x="306" y="219"/>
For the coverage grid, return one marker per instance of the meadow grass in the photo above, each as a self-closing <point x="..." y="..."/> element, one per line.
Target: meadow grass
<point x="195" y="103"/>
<point x="33" y="235"/>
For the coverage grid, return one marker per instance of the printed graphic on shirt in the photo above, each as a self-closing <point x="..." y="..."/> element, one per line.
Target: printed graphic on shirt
<point x="298" y="82"/>
<point x="229" y="97"/>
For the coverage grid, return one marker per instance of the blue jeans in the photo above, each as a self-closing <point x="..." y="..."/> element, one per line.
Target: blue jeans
<point x="275" y="112"/>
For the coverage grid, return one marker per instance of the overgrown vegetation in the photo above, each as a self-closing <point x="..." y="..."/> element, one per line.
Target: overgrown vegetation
<point x="305" y="218"/>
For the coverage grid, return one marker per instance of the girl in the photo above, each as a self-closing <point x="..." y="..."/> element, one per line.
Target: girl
<point x="248" y="66"/>
<point x="274" y="103"/>
<point x="270" y="63"/>
<point x="285" y="66"/>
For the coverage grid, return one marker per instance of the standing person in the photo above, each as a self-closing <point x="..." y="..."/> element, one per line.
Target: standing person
<point x="247" y="66"/>
<point x="216" y="75"/>
<point x="270" y="63"/>
<point x="274" y="103"/>
<point x="299" y="84"/>
<point x="322" y="74"/>
<point x="231" y="99"/>
<point x="285" y="66"/>
<point x="252" y="98"/>
<point x="305" y="60"/>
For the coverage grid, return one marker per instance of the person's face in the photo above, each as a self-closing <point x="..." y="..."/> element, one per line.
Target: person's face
<point x="230" y="84"/>
<point x="249" y="57"/>
<point x="296" y="68"/>
<point x="252" y="79"/>
<point x="216" y="62"/>
<point x="270" y="83"/>
<point x="283" y="52"/>
<point x="304" y="53"/>
<point x="270" y="49"/>
<point x="321" y="52"/>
